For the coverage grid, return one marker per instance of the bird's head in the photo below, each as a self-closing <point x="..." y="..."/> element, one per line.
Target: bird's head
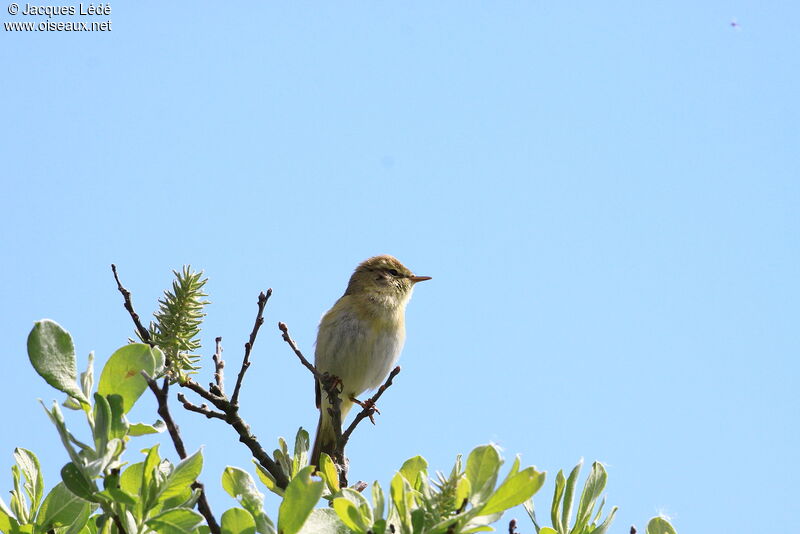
<point x="383" y="278"/>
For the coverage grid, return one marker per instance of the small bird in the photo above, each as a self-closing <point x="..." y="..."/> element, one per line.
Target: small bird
<point x="360" y="337"/>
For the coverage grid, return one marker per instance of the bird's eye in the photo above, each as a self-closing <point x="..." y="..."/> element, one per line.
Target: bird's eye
<point x="394" y="272"/>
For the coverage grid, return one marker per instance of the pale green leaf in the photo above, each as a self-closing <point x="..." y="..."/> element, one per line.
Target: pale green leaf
<point x="267" y="479"/>
<point x="60" y="508"/>
<point x="238" y="521"/>
<point x="34" y="483"/>
<point x="140" y="429"/>
<point x="592" y="488"/>
<point x="350" y="515"/>
<point x="178" y="484"/>
<point x="378" y="501"/>
<point x="607" y="523"/>
<point x="413" y="469"/>
<point x="569" y="498"/>
<point x="301" y="445"/>
<point x="329" y="472"/>
<point x="241" y="486"/>
<point x="175" y="521"/>
<point x="515" y="490"/>
<point x="659" y="525"/>
<point x="52" y="354"/>
<point x="302" y="494"/>
<point x="483" y="463"/>
<point x="324" y="521"/>
<point x="122" y="373"/>
<point x="558" y="495"/>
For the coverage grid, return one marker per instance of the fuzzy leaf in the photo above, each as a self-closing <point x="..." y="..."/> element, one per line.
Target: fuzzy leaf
<point x="52" y="354"/>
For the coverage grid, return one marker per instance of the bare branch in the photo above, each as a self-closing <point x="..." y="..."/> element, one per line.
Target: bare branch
<point x="262" y="302"/>
<point x="143" y="333"/>
<point x="228" y="411"/>
<point x="219" y="365"/>
<point x="202" y="409"/>
<point x="287" y="338"/>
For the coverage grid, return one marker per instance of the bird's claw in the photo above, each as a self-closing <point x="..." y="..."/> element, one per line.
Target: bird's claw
<point x="368" y="404"/>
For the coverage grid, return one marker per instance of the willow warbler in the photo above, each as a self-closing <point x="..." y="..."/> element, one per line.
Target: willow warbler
<point x="361" y="336"/>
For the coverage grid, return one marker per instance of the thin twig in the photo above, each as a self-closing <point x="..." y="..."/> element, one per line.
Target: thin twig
<point x="202" y="409"/>
<point x="287" y="338"/>
<point x="369" y="405"/>
<point x="143" y="333"/>
<point x="219" y="365"/>
<point x="262" y="302"/>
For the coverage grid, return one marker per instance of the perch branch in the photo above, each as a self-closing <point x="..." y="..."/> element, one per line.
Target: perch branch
<point x="369" y="406"/>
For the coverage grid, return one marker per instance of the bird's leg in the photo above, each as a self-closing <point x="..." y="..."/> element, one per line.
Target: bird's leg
<point x="368" y="404"/>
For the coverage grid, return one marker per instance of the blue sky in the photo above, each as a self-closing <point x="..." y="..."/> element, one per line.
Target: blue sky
<point x="605" y="195"/>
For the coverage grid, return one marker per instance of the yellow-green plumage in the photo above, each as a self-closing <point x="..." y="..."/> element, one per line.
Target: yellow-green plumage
<point x="361" y="336"/>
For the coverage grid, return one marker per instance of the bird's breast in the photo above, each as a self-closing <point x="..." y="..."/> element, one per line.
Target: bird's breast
<point x="359" y="345"/>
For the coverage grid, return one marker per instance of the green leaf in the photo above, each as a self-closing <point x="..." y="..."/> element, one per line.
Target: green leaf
<point x="378" y="501"/>
<point x="7" y="523"/>
<point x="241" y="486"/>
<point x="119" y="496"/>
<point x="60" y="508"/>
<point x="569" y="498"/>
<point x="140" y="429"/>
<point x="350" y="516"/>
<point x="130" y="480"/>
<point x="413" y="469"/>
<point x="483" y="464"/>
<point x="592" y="488"/>
<point x="87" y="377"/>
<point x="361" y="503"/>
<point x="558" y="494"/>
<point x="122" y="373"/>
<point x="119" y="426"/>
<point x="402" y="498"/>
<point x="301" y="444"/>
<point x="547" y="530"/>
<point x="328" y="471"/>
<point x="607" y="523"/>
<point x="267" y="479"/>
<point x="75" y="480"/>
<point x="515" y="490"/>
<point x="148" y="490"/>
<point x="52" y="354"/>
<point x="659" y="525"/>
<point x="34" y="483"/>
<point x="175" y="521"/>
<point x="102" y="423"/>
<point x="238" y="521"/>
<point x="178" y="484"/>
<point x="324" y="521"/>
<point x="302" y="494"/>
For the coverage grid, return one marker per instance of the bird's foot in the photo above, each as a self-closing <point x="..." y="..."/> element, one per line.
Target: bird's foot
<point x="368" y="404"/>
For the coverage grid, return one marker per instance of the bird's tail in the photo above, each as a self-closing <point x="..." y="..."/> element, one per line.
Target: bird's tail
<point x="325" y="440"/>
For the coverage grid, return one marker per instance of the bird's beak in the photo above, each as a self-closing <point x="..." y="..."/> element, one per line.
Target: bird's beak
<point x="414" y="278"/>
